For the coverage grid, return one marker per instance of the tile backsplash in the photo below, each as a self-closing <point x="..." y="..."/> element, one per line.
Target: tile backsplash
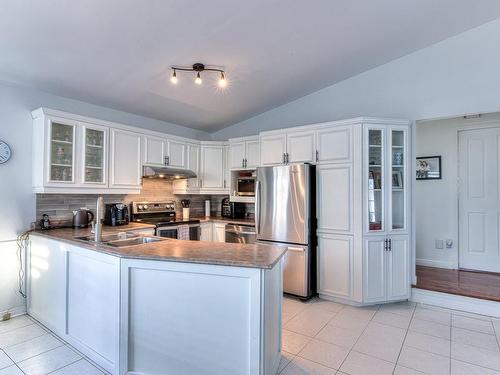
<point x="60" y="207"/>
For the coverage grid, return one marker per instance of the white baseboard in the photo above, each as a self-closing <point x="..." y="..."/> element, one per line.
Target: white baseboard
<point x="455" y="302"/>
<point x="436" y="263"/>
<point x="16" y="311"/>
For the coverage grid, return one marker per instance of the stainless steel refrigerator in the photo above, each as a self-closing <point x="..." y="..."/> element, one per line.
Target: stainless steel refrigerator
<point x="285" y="215"/>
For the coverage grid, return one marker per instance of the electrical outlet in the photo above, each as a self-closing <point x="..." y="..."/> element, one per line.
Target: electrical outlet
<point x="449" y="243"/>
<point x="439" y="244"/>
<point x="6" y="316"/>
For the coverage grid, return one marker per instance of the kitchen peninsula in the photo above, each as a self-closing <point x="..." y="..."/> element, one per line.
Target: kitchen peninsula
<point x="149" y="305"/>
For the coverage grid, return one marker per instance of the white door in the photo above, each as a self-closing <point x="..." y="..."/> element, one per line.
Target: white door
<point x="374" y="275"/>
<point x="398" y="277"/>
<point x="237" y="155"/>
<point x="212" y="167"/>
<point x="125" y="159"/>
<point x="272" y="149"/>
<point x="176" y="154"/>
<point x="155" y="151"/>
<point x="301" y="147"/>
<point x="253" y="154"/>
<point x="479" y="199"/>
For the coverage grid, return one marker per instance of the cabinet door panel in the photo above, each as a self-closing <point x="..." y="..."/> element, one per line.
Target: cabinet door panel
<point x="301" y="147"/>
<point x="397" y="179"/>
<point x="398" y="268"/>
<point x="253" y="154"/>
<point x="335" y="201"/>
<point x="62" y="161"/>
<point x="272" y="149"/>
<point x="335" y="265"/>
<point x="212" y="167"/>
<point x="334" y="145"/>
<point x="177" y="154"/>
<point x="219" y="232"/>
<point x="125" y="159"/>
<point x="237" y="154"/>
<point x="374" y="274"/>
<point x="94" y="155"/>
<point x="206" y="232"/>
<point x="154" y="150"/>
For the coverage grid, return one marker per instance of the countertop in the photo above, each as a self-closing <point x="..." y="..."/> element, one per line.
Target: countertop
<point x="203" y="252"/>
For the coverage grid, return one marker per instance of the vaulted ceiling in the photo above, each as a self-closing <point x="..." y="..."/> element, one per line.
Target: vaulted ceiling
<point x="118" y="53"/>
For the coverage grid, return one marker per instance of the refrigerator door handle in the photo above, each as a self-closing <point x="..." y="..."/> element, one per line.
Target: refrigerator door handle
<point x="296" y="249"/>
<point x="257" y="207"/>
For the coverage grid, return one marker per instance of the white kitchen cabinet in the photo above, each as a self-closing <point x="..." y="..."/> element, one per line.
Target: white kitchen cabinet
<point x="227" y="169"/>
<point x="191" y="185"/>
<point x="155" y="151"/>
<point x="334" y="144"/>
<point x="335" y="265"/>
<point x="176" y="154"/>
<point x="386" y="269"/>
<point x="237" y="155"/>
<point x="159" y="151"/>
<point x="71" y="154"/>
<point x="94" y="148"/>
<point x="273" y="149"/>
<point x="125" y="159"/>
<point x="206" y="231"/>
<point x="212" y="173"/>
<point x="219" y="232"/>
<point x="362" y="198"/>
<point x="244" y="153"/>
<point x="301" y="147"/>
<point x="290" y="147"/>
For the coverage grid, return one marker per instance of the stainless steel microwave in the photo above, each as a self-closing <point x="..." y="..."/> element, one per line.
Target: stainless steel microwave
<point x="245" y="186"/>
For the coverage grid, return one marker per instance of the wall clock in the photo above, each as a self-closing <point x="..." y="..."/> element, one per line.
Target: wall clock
<point x="5" y="152"/>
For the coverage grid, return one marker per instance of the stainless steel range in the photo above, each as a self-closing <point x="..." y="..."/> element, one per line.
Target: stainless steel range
<point x="163" y="216"/>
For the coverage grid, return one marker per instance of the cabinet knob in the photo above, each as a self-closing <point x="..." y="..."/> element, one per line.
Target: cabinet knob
<point x="317" y="156"/>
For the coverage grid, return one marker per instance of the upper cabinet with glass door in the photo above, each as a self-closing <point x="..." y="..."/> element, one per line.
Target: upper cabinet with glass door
<point x="95" y="150"/>
<point x="398" y="179"/>
<point x="62" y="152"/>
<point x="375" y="181"/>
<point x="386" y="181"/>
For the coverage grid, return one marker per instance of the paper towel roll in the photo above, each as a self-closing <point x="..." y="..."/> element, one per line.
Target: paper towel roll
<point x="207" y="208"/>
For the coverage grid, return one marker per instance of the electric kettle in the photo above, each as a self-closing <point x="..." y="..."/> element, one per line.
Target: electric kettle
<point x="82" y="218"/>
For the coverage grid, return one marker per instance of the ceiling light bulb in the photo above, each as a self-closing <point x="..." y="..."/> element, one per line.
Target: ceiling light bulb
<point x="222" y="80"/>
<point x="173" y="79"/>
<point x="198" y="80"/>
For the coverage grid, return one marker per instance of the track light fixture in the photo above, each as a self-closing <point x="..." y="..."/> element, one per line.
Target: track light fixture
<point x="198" y="68"/>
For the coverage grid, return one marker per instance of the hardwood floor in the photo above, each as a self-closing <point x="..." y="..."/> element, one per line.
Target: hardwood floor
<point x="465" y="283"/>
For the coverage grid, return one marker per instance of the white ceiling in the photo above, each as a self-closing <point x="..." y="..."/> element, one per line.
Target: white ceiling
<point x="117" y="53"/>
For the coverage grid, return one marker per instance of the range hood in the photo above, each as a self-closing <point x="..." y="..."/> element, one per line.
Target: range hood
<point x="167" y="173"/>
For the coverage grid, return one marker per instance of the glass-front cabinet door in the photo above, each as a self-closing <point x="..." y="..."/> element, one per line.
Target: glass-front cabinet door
<point x="375" y="180"/>
<point x="398" y="193"/>
<point x="94" y="150"/>
<point x="62" y="152"/>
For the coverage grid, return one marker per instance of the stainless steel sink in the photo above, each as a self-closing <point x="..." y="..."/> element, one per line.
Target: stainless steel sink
<point x="110" y="237"/>
<point x="134" y="241"/>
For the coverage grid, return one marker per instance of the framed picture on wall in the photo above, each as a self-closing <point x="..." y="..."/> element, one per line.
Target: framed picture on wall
<point x="428" y="168"/>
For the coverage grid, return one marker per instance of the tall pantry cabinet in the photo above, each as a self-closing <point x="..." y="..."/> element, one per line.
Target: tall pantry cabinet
<point x="363" y="221"/>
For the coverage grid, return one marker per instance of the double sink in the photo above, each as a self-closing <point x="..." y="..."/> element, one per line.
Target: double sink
<point x="122" y="239"/>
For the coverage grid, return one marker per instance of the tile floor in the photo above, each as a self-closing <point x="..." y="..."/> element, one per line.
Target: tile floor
<point x="28" y="348"/>
<point x="327" y="338"/>
<point x="319" y="337"/>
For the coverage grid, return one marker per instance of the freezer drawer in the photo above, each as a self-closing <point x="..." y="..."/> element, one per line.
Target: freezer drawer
<point x="296" y="269"/>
